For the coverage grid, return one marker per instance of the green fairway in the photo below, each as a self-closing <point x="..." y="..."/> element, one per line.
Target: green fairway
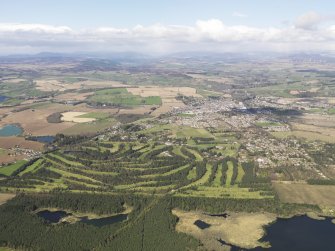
<point x="222" y="192"/>
<point x="217" y="179"/>
<point x="240" y="173"/>
<point x="10" y="169"/>
<point x="196" y="154"/>
<point x="32" y="168"/>
<point x="203" y="179"/>
<point x="192" y="174"/>
<point x="62" y="159"/>
<point x="68" y="174"/>
<point x="6" y="249"/>
<point x="165" y="174"/>
<point x="229" y="173"/>
<point x="187" y="132"/>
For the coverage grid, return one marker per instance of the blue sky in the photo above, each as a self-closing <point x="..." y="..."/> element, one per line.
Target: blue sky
<point x="166" y="26"/>
<point x="126" y="13"/>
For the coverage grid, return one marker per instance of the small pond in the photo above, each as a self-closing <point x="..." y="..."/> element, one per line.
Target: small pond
<point x="10" y="130"/>
<point x="43" y="139"/>
<point x="3" y="98"/>
<point x="52" y="217"/>
<point x="201" y="224"/>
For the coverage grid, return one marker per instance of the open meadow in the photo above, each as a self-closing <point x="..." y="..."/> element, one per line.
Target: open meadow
<point x="322" y="195"/>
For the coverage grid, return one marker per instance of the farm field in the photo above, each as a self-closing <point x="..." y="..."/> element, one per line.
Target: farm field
<point x="306" y="135"/>
<point x="11" y="142"/>
<point x="304" y="193"/>
<point x="76" y="117"/>
<point x="8" y="156"/>
<point x="48" y="85"/>
<point x="121" y="97"/>
<point x="10" y="169"/>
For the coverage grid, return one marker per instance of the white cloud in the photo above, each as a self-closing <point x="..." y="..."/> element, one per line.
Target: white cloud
<point x="212" y="35"/>
<point x="33" y="28"/>
<point x="308" y="21"/>
<point x="311" y="20"/>
<point x="239" y="14"/>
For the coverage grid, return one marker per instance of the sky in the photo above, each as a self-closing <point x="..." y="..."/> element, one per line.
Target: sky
<point x="162" y="27"/>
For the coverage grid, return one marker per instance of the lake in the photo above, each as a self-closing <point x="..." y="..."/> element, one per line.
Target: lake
<point x="52" y="217"/>
<point x="300" y="233"/>
<point x="56" y="216"/>
<point x="43" y="139"/>
<point x="3" y="98"/>
<point x="10" y="130"/>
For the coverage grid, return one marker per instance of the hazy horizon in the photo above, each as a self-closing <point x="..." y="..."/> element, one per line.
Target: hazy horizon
<point x="153" y="28"/>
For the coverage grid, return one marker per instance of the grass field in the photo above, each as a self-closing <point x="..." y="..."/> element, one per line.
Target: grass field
<point x="240" y="173"/>
<point x="229" y="173"/>
<point x="182" y="132"/>
<point x="6" y="249"/>
<point x="67" y="174"/>
<point x="120" y="96"/>
<point x="198" y="157"/>
<point x="203" y="179"/>
<point x="309" y="136"/>
<point x="95" y="115"/>
<point x="217" y="179"/>
<point x="221" y="192"/>
<point x="192" y="174"/>
<point x="32" y="168"/>
<point x="305" y="193"/>
<point x="243" y="230"/>
<point x="89" y="128"/>
<point x="167" y="173"/>
<point x="69" y="162"/>
<point x="10" y="169"/>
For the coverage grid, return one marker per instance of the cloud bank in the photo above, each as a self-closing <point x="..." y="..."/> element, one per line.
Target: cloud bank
<point x="310" y="32"/>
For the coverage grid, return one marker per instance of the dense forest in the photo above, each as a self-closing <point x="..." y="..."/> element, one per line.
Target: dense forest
<point x="150" y="225"/>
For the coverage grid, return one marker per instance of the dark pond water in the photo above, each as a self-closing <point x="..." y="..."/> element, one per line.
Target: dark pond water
<point x="201" y="224"/>
<point x="52" y="217"/>
<point x="10" y="130"/>
<point x="56" y="216"/>
<point x="300" y="233"/>
<point x="43" y="139"/>
<point x="3" y="98"/>
<point x="224" y="215"/>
